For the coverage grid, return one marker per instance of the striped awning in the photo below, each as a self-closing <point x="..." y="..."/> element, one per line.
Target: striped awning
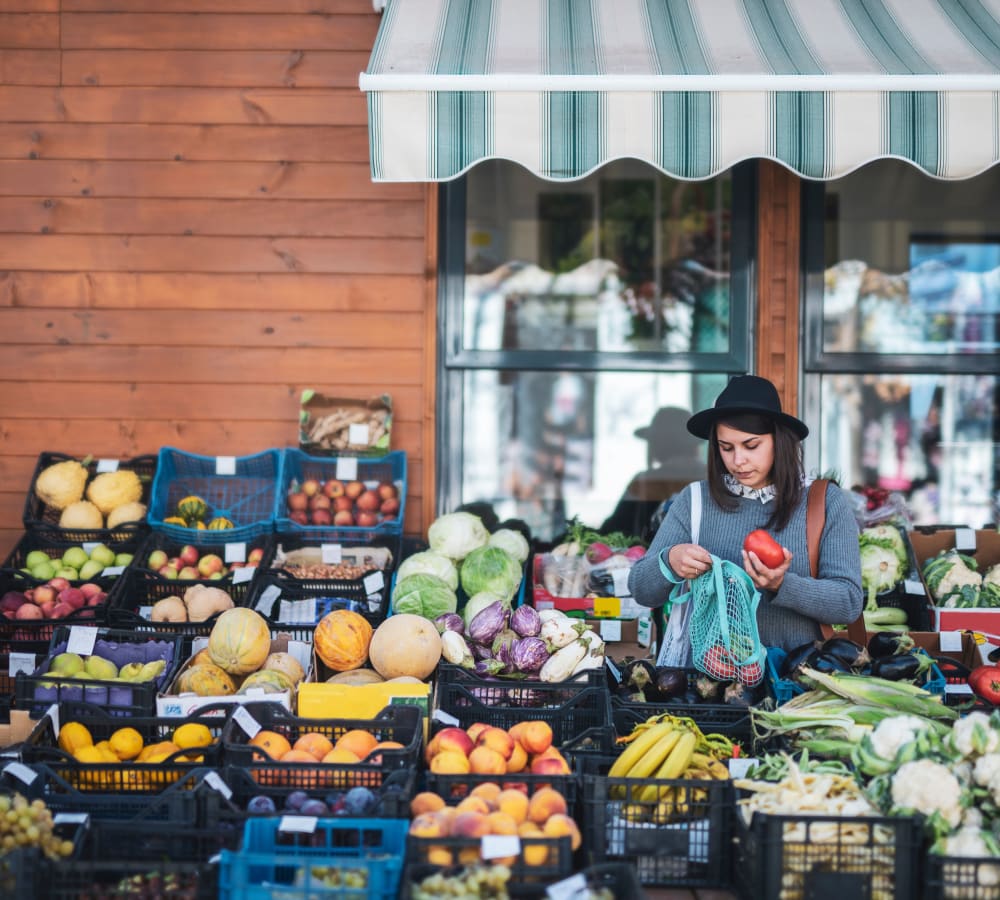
<point x="690" y="86"/>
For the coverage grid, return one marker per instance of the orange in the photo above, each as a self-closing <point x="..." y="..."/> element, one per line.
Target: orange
<point x="314" y="743"/>
<point x="358" y="742"/>
<point x="273" y="744"/>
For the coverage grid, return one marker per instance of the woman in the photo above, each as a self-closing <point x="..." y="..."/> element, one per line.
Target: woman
<point x="756" y="480"/>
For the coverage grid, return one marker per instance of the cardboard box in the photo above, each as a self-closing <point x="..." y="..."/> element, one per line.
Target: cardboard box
<point x="17" y="730"/>
<point x="172" y="704"/>
<point x="984" y="547"/>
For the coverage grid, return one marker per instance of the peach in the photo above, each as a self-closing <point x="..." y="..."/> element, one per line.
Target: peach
<point x="545" y="802"/>
<point x="513" y="803"/>
<point x="473" y="804"/>
<point x="560" y="825"/>
<point x="447" y="815"/>
<point x="536" y="737"/>
<point x="429" y="825"/>
<point x="440" y="856"/>
<point x="476" y="729"/>
<point x="497" y="739"/>
<point x="454" y="739"/>
<point x="425" y="802"/>
<point x="485" y="761"/>
<point x="518" y="761"/>
<point x="517" y="729"/>
<point x="533" y="854"/>
<point x="449" y="762"/>
<point x="313" y="743"/>
<point x="501" y="823"/>
<point x="549" y="765"/>
<point x="470" y="824"/>
<point x="358" y="741"/>
<point x="489" y="791"/>
<point x="430" y="751"/>
<point x="469" y="856"/>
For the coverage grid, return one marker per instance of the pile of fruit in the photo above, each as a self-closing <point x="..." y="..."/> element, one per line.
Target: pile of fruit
<point x="486" y="750"/>
<point x="75" y="563"/>
<point x="192" y="564"/>
<point x="335" y="502"/>
<point x="55" y="599"/>
<point x="193" y="512"/>
<point x="112" y="498"/>
<point x="199" y="603"/>
<point x="355" y="802"/>
<point x="98" y="668"/>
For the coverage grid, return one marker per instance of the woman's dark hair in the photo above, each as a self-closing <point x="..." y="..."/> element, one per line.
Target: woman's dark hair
<point x="786" y="474"/>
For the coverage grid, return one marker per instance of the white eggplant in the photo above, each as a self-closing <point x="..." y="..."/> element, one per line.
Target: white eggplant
<point x="547" y="615"/>
<point x="594" y="658"/>
<point x="560" y="665"/>
<point x="557" y="633"/>
<point x="456" y="651"/>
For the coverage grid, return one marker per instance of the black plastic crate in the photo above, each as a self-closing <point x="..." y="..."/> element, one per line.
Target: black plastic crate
<point x="112" y="879"/>
<point x="401" y="724"/>
<point x="37" y="693"/>
<point x="541" y="861"/>
<point x="569" y="707"/>
<point x="54" y="548"/>
<point x="127" y="776"/>
<point x="44" y="519"/>
<point x="453" y="788"/>
<point x="955" y="877"/>
<point x="683" y="839"/>
<point x="235" y="581"/>
<point x="779" y="857"/>
<point x="289" y="601"/>
<point x="915" y="606"/>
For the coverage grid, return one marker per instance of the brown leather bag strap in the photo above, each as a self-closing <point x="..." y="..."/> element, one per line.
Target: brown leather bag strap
<point x="815" y="520"/>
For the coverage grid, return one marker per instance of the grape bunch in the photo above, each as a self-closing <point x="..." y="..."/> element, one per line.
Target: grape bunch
<point x="468" y="884"/>
<point x="24" y="824"/>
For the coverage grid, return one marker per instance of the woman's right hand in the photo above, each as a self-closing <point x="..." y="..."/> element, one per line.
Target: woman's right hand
<point x="689" y="560"/>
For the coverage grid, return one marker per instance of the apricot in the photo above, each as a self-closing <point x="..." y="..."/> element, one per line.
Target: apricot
<point x="273" y="744"/>
<point x="501" y="823"/>
<point x="315" y="744"/>
<point x="475" y="729"/>
<point x="536" y="737"/>
<point x="485" y="761"/>
<point x="489" y="791"/>
<point x="513" y="803"/>
<point x="375" y="759"/>
<point x="449" y="762"/>
<point x="447" y="815"/>
<point x="425" y="802"/>
<point x="470" y="824"/>
<point x="439" y="856"/>
<point x="429" y="825"/>
<point x="474" y="804"/>
<point x="560" y="825"/>
<point x="545" y="802"/>
<point x="517" y="729"/>
<point x="518" y="761"/>
<point x="454" y="739"/>
<point x="533" y="852"/>
<point x="497" y="739"/>
<point x="358" y="741"/>
<point x="469" y="856"/>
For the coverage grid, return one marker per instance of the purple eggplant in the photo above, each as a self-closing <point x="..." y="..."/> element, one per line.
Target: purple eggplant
<point x="529" y="654"/>
<point x="480" y="652"/>
<point x="488" y="667"/>
<point x="450" y="622"/>
<point x="525" y="621"/>
<point x="503" y="645"/>
<point x="488" y="623"/>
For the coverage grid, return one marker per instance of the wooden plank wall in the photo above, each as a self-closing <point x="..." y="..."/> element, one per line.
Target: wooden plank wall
<point x="189" y="234"/>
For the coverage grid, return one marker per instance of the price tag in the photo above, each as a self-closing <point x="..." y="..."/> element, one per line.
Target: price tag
<point x="235" y="553"/>
<point x="298" y="824"/>
<point x="494" y="845"/>
<point x="965" y="540"/>
<point x="21" y="662"/>
<point x="567" y="888"/>
<point x="950" y="641"/>
<point x="374" y="582"/>
<point x="444" y="718"/>
<point x="616" y="673"/>
<point x="107" y="465"/>
<point x="912" y="586"/>
<point x="739" y="767"/>
<point x="265" y="603"/>
<point x="243" y="718"/>
<point x="297" y="612"/>
<point x="53" y="713"/>
<point x="244" y="573"/>
<point x="347" y="468"/>
<point x="332" y="554"/>
<point x="146" y="612"/>
<point x="68" y="818"/>
<point x="112" y="571"/>
<point x="90" y="546"/>
<point x="611" y="630"/>
<point x="620" y="579"/>
<point x="81" y="640"/>
<point x="958" y="689"/>
<point x="358" y="434"/>
<point x="214" y="781"/>
<point x="607" y="607"/>
<point x="21" y="772"/>
<point x="225" y="465"/>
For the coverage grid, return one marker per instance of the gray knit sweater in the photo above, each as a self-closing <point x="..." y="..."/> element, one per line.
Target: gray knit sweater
<point x="791" y="616"/>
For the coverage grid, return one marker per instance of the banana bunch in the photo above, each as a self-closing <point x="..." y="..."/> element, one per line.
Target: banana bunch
<point x="139" y="672"/>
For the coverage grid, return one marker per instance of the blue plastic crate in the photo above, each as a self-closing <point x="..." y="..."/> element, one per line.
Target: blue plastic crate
<point x="245" y="497"/>
<point x="783" y="690"/>
<point x="297" y="467"/>
<point x="275" y="864"/>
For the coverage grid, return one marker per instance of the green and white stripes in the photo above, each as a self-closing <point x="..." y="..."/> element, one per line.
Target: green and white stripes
<point x="691" y="86"/>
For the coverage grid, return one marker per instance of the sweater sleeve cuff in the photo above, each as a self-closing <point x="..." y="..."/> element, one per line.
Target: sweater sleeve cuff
<point x="668" y="573"/>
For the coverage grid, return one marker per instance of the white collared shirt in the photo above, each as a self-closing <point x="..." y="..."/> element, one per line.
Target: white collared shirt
<point x="764" y="494"/>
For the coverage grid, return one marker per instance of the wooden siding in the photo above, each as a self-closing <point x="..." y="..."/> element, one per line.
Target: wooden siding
<point x="189" y="235"/>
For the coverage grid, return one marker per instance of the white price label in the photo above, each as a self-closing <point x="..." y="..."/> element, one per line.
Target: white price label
<point x="347" y="468"/>
<point x="266" y="601"/>
<point x="739" y="767"/>
<point x="53" y="713"/>
<point x="620" y="579"/>
<point x="950" y="641"/>
<point x="146" y="612"/>
<point x="958" y="689"/>
<point x="493" y="845"/>
<point x="112" y="571"/>
<point x="21" y="772"/>
<point x="297" y="612"/>
<point x="21" y="662"/>
<point x="567" y="888"/>
<point x="90" y="546"/>
<point x="298" y="824"/>
<point x="914" y="587"/>
<point x="68" y="818"/>
<point x="444" y="718"/>
<point x="332" y="554"/>
<point x="965" y="540"/>
<point x="81" y="640"/>
<point x="243" y="718"/>
<point x="611" y="630"/>
<point x="613" y="669"/>
<point x="244" y="574"/>
<point x="358" y="434"/>
<point x="374" y="582"/>
<point x="107" y="465"/>
<point x="214" y="781"/>
<point x="225" y="465"/>
<point x="235" y="553"/>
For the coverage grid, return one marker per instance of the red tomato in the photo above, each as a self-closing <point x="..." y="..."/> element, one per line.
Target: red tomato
<point x="985" y="682"/>
<point x="718" y="663"/>
<point x="768" y="550"/>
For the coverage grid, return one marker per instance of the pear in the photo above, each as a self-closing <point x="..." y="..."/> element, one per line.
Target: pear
<point x="152" y="670"/>
<point x="130" y="671"/>
<point x="100" y="668"/>
<point x="67" y="664"/>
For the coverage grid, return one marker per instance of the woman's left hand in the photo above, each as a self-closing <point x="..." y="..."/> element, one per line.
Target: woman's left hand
<point x="765" y="579"/>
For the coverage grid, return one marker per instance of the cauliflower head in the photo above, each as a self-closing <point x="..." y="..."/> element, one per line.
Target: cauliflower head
<point x="929" y="788"/>
<point x="974" y="735"/>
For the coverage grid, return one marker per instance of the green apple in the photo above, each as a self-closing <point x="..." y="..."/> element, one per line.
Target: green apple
<point x="123" y="559"/>
<point x="36" y="558"/>
<point x="90" y="569"/>
<point x="43" y="571"/>
<point x="103" y="554"/>
<point x="67" y="573"/>
<point x="74" y="557"/>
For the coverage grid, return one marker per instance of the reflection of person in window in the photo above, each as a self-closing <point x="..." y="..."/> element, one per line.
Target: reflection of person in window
<point x="672" y="455"/>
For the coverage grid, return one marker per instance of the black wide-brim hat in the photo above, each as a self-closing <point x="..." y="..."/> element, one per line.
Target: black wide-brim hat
<point x="745" y="394"/>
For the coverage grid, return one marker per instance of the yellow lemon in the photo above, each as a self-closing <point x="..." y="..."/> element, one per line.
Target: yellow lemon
<point x="126" y="743"/>
<point x="157" y="752"/>
<point x="73" y="736"/>
<point x="88" y="754"/>
<point x="107" y="752"/>
<point x="192" y="735"/>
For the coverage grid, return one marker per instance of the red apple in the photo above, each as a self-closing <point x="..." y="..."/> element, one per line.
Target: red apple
<point x="320" y="501"/>
<point x="89" y="589"/>
<point x="169" y="572"/>
<point x="344" y="517"/>
<point x="60" y="584"/>
<point x="368" y="500"/>
<point x="300" y="516"/>
<point x="367" y="519"/>
<point x="389" y="507"/>
<point x="46" y="609"/>
<point x="189" y="573"/>
<point x="354" y="489"/>
<point x="386" y="490"/>
<point x="340" y="504"/>
<point x="61" y="610"/>
<point x="176" y="562"/>
<point x="29" y="611"/>
<point x="157" y="560"/>
<point x="310" y="487"/>
<point x="297" y="500"/>
<point x="321" y="517"/>
<point x="334" y="488"/>
<point x="97" y="599"/>
<point x="189" y="555"/>
<point x="72" y="597"/>
<point x="11" y="602"/>
<point x="45" y="593"/>
<point x="209" y="564"/>
<point x="255" y="556"/>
